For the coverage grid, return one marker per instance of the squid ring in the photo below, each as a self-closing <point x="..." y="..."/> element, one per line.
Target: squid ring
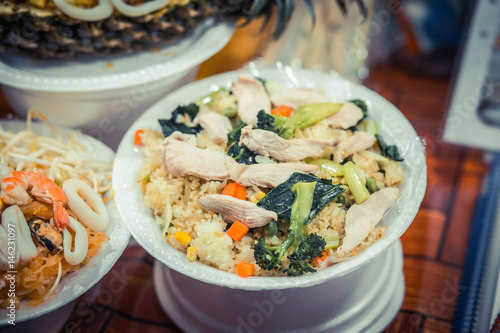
<point x="81" y="242"/>
<point x="86" y="204"/>
<point x="136" y="11"/>
<point x="100" y="12"/>
<point x="25" y="249"/>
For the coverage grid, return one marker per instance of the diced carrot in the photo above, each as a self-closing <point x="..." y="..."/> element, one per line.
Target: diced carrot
<point x="235" y="190"/>
<point x="282" y="110"/>
<point x="319" y="260"/>
<point x="237" y="231"/>
<point x="138" y="137"/>
<point x="230" y="189"/>
<point x="245" y="269"/>
<point x="241" y="192"/>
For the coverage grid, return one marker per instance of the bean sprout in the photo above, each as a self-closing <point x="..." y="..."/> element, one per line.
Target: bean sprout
<point x="54" y="156"/>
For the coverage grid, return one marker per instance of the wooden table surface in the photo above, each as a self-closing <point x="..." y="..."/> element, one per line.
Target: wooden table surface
<point x="434" y="246"/>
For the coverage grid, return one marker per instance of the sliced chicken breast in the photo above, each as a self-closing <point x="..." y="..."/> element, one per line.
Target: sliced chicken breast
<point x="359" y="141"/>
<point x="268" y="174"/>
<point x="181" y="157"/>
<point x="215" y="124"/>
<point x="233" y="209"/>
<point x="348" y="116"/>
<point x="251" y="97"/>
<point x="267" y="143"/>
<point x="295" y="97"/>
<point x="361" y="219"/>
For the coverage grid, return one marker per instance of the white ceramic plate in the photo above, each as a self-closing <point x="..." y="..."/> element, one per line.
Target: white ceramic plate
<point x="88" y="73"/>
<point x="392" y="124"/>
<point x="75" y="284"/>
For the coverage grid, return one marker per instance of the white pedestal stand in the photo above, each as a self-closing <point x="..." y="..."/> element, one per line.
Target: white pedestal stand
<point x="365" y="300"/>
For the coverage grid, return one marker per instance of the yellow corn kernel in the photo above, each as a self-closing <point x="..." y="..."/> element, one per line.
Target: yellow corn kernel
<point x="191" y="254"/>
<point x="258" y="197"/>
<point x="182" y="237"/>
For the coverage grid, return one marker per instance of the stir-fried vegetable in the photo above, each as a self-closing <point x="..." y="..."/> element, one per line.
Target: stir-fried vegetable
<point x="242" y="154"/>
<point x="334" y="169"/>
<point x="271" y="229"/>
<point x="304" y="116"/>
<point x="381" y="160"/>
<point x="281" y="198"/>
<point x="305" y="247"/>
<point x="235" y="190"/>
<point x="218" y="100"/>
<point x="371" y="185"/>
<point x="389" y="151"/>
<point x="138" y="137"/>
<point x="358" y="189"/>
<point x="282" y="110"/>
<point x="245" y="269"/>
<point x="178" y="121"/>
<point x="237" y="231"/>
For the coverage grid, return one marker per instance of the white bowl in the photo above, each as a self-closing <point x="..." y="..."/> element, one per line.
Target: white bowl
<point x="54" y="312"/>
<point x="392" y="124"/>
<point x="101" y="93"/>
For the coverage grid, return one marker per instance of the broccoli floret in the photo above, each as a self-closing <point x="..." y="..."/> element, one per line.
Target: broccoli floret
<point x="303" y="117"/>
<point x="301" y="260"/>
<point x="305" y="247"/>
<point x="269" y="257"/>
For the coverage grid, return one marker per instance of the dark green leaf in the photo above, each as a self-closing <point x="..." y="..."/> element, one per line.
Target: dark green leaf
<point x="168" y="126"/>
<point x="391" y="152"/>
<point x="241" y="154"/>
<point x="234" y="135"/>
<point x="280" y="198"/>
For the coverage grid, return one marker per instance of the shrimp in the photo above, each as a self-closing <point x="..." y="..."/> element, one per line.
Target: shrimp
<point x="15" y="192"/>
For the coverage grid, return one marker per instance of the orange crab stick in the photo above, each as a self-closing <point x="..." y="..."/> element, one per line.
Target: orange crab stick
<point x="282" y="110"/>
<point x="245" y="269"/>
<point x="235" y="190"/>
<point x="237" y="231"/>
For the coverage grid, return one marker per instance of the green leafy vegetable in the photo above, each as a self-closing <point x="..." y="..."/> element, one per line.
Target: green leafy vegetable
<point x="241" y="154"/>
<point x="358" y="189"/>
<point x="371" y="185"/>
<point x="305" y="247"/>
<point x="334" y="169"/>
<point x="234" y="135"/>
<point x="281" y="198"/>
<point x="168" y="126"/>
<point x="388" y="151"/>
<point x="304" y="116"/>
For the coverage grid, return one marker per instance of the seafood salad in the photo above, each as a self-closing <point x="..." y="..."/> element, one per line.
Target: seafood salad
<point x="260" y="179"/>
<point x="53" y="215"/>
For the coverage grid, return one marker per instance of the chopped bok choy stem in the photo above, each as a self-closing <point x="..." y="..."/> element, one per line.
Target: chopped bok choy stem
<point x="358" y="189"/>
<point x="334" y="169"/>
<point x="371" y="185"/>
